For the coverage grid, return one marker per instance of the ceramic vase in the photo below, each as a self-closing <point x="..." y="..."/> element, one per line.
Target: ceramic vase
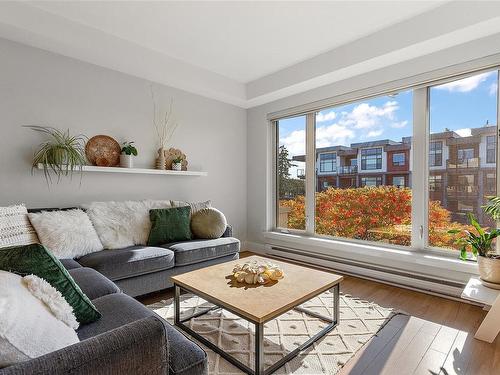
<point x="489" y="270"/>
<point x="126" y="161"/>
<point x="177" y="166"/>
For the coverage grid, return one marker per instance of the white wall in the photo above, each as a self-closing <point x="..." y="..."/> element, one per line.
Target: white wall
<point x="259" y="130"/>
<point x="38" y="87"/>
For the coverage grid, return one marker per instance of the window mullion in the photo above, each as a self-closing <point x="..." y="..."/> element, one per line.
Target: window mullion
<point x="419" y="162"/>
<point x="310" y="172"/>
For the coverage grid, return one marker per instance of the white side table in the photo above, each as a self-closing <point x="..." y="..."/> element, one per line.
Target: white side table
<point x="477" y="292"/>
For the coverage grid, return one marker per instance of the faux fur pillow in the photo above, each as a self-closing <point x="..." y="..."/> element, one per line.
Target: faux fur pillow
<point x="28" y="326"/>
<point x="67" y="234"/>
<point x="123" y="224"/>
<point x="15" y="228"/>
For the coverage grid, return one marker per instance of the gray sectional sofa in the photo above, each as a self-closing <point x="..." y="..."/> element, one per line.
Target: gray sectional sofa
<point x="139" y="270"/>
<point x="130" y="338"/>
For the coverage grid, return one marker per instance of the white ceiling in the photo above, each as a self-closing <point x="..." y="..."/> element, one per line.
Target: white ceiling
<point x="240" y="40"/>
<point x="246" y="53"/>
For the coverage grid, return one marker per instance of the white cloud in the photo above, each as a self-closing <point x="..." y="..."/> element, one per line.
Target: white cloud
<point x="399" y="125"/>
<point x="333" y="135"/>
<point x="466" y="84"/>
<point x="295" y="142"/>
<point x="466" y="132"/>
<point x="364" y="121"/>
<point x="374" y="133"/>
<point x="365" y="116"/>
<point x="493" y="89"/>
<point x="323" y="117"/>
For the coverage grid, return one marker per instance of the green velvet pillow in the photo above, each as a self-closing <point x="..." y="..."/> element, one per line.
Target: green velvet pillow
<point x="35" y="259"/>
<point x="169" y="225"/>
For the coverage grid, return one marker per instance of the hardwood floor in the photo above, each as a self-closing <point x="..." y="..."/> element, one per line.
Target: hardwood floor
<point x="436" y="337"/>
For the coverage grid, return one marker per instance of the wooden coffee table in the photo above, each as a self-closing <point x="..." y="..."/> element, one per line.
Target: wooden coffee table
<point x="257" y="304"/>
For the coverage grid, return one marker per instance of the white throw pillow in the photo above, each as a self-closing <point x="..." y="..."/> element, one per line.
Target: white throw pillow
<point x="67" y="234"/>
<point x="15" y="228"/>
<point x="195" y="206"/>
<point x="123" y="224"/>
<point x="28" y="327"/>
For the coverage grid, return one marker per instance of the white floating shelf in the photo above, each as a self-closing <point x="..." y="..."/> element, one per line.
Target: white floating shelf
<point x="93" y="168"/>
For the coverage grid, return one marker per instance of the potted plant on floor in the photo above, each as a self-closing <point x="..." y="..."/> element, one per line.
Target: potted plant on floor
<point x="480" y="244"/>
<point x="128" y="152"/>
<point x="61" y="154"/>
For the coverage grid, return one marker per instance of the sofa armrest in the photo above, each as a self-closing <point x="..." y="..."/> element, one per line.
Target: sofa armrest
<point x="139" y="347"/>
<point x="228" y="232"/>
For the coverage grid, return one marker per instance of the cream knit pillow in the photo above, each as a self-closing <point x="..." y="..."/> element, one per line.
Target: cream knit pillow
<point x="15" y="228"/>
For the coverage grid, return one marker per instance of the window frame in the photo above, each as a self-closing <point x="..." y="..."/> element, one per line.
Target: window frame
<point x="378" y="158"/>
<point x="399" y="163"/>
<point x="494" y="149"/>
<point x="420" y="166"/>
<point x="332" y="161"/>
<point x="433" y="151"/>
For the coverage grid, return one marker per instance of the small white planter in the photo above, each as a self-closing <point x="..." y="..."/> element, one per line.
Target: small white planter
<point x="489" y="270"/>
<point x="126" y="161"/>
<point x="177" y="166"/>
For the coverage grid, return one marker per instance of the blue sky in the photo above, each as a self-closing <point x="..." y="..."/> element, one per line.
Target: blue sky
<point x="458" y="105"/>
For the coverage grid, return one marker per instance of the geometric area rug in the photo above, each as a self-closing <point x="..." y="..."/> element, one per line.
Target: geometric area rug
<point x="359" y="322"/>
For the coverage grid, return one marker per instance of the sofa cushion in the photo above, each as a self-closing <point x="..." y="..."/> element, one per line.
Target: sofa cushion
<point x="195" y="251"/>
<point x="131" y="261"/>
<point x="70" y="264"/>
<point x="185" y="357"/>
<point x="92" y="283"/>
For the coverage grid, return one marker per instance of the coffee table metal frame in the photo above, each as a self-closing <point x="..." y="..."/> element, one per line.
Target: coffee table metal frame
<point x="259" y="331"/>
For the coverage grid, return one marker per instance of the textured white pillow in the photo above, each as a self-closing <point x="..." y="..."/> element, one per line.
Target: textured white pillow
<point x="15" y="228"/>
<point x="208" y="223"/>
<point x="67" y="234"/>
<point x="123" y="224"/>
<point x="195" y="206"/>
<point x="28" y="328"/>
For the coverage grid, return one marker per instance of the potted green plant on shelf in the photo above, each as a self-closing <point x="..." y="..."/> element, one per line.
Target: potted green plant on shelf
<point x="128" y="152"/>
<point x="177" y="163"/>
<point x="481" y="246"/>
<point x="61" y="155"/>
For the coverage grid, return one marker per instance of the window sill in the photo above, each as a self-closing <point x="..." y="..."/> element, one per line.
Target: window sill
<point x="420" y="261"/>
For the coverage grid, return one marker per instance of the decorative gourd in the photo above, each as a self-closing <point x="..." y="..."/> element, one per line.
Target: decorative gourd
<point x="257" y="273"/>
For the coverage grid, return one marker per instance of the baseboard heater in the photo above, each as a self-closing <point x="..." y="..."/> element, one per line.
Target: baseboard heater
<point x="387" y="275"/>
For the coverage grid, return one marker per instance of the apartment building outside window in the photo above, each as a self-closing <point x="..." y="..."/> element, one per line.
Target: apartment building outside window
<point x="398" y="159"/>
<point x="375" y="200"/>
<point x="328" y="162"/>
<point x="371" y="159"/>
<point x="436" y="154"/>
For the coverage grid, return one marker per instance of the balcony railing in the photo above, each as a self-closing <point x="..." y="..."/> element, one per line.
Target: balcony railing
<point x="348" y="169"/>
<point x="467" y="163"/>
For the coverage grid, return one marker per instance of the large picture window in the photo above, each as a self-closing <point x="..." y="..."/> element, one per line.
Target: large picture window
<point x="367" y="169"/>
<point x="463" y="116"/>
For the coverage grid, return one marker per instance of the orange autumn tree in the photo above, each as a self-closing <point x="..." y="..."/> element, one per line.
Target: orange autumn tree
<point x="371" y="213"/>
